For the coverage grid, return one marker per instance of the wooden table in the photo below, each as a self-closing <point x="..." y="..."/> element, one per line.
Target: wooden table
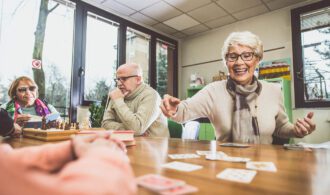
<point x="298" y="172"/>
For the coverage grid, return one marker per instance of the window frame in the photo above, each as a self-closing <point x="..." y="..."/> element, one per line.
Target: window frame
<point x="77" y="80"/>
<point x="297" y="52"/>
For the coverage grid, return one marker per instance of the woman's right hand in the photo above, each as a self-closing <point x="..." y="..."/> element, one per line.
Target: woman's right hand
<point x="21" y="119"/>
<point x="169" y="105"/>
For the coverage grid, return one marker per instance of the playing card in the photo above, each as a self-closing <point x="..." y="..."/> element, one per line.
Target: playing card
<point x="226" y="158"/>
<point x="217" y="156"/>
<point x="237" y="175"/>
<point x="207" y="152"/>
<point x="262" y="166"/>
<point x="184" y="189"/>
<point x="157" y="182"/>
<point x="236" y="145"/>
<point x="183" y="156"/>
<point x="181" y="166"/>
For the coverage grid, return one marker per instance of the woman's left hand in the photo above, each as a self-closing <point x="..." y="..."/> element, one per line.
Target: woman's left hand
<point x="304" y="126"/>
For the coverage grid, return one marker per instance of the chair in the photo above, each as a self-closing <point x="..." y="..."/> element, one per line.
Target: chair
<point x="174" y="128"/>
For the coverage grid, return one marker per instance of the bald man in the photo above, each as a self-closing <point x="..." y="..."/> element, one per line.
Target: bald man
<point x="134" y="105"/>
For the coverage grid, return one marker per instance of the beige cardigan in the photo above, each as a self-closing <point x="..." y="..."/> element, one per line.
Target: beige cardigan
<point x="214" y="102"/>
<point x="139" y="111"/>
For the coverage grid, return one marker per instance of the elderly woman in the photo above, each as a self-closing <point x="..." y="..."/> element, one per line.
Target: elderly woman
<point x="25" y="102"/>
<point x="242" y="108"/>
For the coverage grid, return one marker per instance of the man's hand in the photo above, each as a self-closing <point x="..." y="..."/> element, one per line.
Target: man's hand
<point x="304" y="126"/>
<point x="117" y="93"/>
<point x="169" y="105"/>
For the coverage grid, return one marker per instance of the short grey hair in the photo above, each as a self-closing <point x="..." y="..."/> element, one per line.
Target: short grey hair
<point x="244" y="38"/>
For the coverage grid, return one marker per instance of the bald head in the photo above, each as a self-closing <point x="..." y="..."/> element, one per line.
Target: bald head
<point x="131" y="69"/>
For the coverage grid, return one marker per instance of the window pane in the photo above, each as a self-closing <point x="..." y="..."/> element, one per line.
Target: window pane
<point x="316" y="55"/>
<point x="164" y="62"/>
<point x="137" y="50"/>
<point x="101" y="57"/>
<point x="18" y="24"/>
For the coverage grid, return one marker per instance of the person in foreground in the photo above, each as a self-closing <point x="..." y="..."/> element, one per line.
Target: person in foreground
<point x="242" y="108"/>
<point x="134" y="105"/>
<point x="7" y="125"/>
<point x="25" y="102"/>
<point x="85" y="165"/>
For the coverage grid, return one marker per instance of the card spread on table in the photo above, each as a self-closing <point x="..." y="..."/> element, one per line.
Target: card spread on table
<point x="181" y="166"/>
<point x="184" y="189"/>
<point x="183" y="156"/>
<point x="237" y="175"/>
<point x="157" y="182"/>
<point x="237" y="145"/>
<point x="262" y="166"/>
<point x="207" y="152"/>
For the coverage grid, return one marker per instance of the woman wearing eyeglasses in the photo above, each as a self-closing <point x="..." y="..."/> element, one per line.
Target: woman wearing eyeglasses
<point x="242" y="108"/>
<point x="25" y="102"/>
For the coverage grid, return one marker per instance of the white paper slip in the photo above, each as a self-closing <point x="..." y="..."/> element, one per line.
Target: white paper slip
<point x="35" y="118"/>
<point x="262" y="166"/>
<point x="226" y="158"/>
<point x="183" y="156"/>
<point x="207" y="152"/>
<point x="181" y="166"/>
<point x="237" y="175"/>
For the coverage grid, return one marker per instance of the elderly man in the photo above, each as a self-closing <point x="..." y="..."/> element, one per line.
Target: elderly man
<point x="134" y="105"/>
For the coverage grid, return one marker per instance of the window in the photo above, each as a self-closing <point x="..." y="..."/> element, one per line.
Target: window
<point x="137" y="50"/>
<point x="164" y="61"/>
<point x="311" y="54"/>
<point x="79" y="47"/>
<point x="101" y="57"/>
<point x="23" y="46"/>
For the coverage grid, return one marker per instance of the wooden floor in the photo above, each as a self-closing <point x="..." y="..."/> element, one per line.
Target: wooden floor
<point x="298" y="172"/>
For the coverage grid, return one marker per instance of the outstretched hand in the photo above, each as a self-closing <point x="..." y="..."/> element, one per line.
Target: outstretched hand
<point x="304" y="126"/>
<point x="169" y="105"/>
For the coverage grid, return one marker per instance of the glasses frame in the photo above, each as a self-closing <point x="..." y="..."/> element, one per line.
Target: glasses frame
<point x="123" y="79"/>
<point x="24" y="89"/>
<point x="240" y="55"/>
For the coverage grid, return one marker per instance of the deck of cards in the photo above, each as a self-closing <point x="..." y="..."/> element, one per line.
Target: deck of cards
<point x="164" y="185"/>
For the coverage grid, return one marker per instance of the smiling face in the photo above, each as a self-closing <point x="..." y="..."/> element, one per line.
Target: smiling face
<point x="239" y="70"/>
<point x="26" y="93"/>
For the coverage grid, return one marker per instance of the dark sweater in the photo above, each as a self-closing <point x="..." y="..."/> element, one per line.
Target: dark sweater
<point x="6" y="123"/>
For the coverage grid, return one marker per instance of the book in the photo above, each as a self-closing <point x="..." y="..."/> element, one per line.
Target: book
<point x="36" y="121"/>
<point x="49" y="134"/>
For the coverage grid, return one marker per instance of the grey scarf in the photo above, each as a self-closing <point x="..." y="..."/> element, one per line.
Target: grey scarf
<point x="245" y="127"/>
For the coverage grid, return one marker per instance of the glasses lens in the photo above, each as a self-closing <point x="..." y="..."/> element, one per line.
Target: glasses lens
<point x="32" y="88"/>
<point x="232" y="57"/>
<point x="247" y="56"/>
<point x="24" y="89"/>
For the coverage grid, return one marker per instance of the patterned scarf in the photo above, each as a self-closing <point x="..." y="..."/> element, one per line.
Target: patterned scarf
<point x="13" y="108"/>
<point x="245" y="127"/>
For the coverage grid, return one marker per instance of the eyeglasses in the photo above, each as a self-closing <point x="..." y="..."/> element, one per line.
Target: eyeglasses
<point x="24" y="89"/>
<point x="246" y="56"/>
<point x="123" y="79"/>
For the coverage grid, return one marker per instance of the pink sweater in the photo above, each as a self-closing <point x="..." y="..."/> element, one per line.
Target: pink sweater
<point x="49" y="169"/>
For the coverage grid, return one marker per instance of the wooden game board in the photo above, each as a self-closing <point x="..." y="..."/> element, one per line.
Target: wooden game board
<point x="49" y="134"/>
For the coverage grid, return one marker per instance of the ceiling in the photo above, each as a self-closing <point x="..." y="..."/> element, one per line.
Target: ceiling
<point x="184" y="18"/>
